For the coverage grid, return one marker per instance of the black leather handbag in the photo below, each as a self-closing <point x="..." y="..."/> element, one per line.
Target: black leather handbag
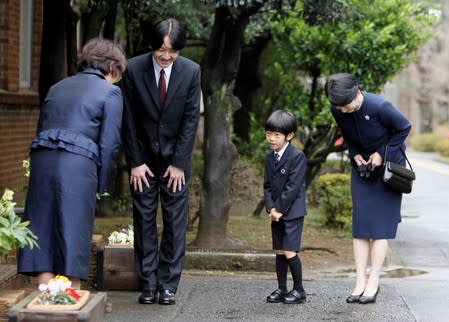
<point x="397" y="176"/>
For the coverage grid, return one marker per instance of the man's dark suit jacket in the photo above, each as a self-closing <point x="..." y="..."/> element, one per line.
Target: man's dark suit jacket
<point x="284" y="183"/>
<point x="149" y="129"/>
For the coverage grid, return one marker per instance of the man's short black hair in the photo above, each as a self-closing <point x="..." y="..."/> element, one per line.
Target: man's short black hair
<point x="169" y="27"/>
<point x="281" y="121"/>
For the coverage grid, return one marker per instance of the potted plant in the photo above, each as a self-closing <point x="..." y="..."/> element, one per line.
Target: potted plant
<point x="14" y="233"/>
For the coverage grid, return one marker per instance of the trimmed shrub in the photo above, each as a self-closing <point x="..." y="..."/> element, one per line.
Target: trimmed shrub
<point x="442" y="147"/>
<point x="333" y="195"/>
<point x="425" y="142"/>
<point x="341" y="165"/>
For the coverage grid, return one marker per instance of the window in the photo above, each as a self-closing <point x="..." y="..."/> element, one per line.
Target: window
<point x="26" y="29"/>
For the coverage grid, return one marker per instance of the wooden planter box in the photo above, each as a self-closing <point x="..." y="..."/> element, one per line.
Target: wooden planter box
<point x="116" y="269"/>
<point x="92" y="311"/>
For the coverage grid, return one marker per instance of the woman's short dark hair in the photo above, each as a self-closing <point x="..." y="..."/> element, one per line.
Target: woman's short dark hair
<point x="281" y="121"/>
<point x="341" y="89"/>
<point x="104" y="55"/>
<point x="169" y="27"/>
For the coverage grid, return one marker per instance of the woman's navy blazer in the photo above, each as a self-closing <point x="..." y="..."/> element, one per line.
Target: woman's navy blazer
<point x="82" y="114"/>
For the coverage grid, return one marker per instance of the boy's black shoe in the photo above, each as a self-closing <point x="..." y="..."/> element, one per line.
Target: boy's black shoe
<point x="294" y="297"/>
<point x="276" y="296"/>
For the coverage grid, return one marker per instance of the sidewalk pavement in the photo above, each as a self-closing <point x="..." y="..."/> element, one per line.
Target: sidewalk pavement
<point x="218" y="296"/>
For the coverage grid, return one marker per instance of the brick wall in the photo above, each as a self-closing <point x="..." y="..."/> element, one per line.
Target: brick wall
<point x="19" y="108"/>
<point x="17" y="129"/>
<point x="13" y="46"/>
<point x="37" y="38"/>
<point x="3" y="43"/>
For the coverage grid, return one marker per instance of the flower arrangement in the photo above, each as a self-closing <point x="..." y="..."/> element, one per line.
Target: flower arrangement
<point x="123" y="237"/>
<point x="58" y="291"/>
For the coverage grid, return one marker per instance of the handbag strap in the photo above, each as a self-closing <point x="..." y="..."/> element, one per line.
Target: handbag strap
<point x="403" y="153"/>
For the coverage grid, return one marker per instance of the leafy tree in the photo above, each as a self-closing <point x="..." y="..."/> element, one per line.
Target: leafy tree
<point x="220" y="66"/>
<point x="319" y="38"/>
<point x="139" y="16"/>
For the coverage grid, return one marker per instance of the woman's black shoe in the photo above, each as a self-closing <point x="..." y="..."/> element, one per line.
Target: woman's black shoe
<point x="369" y="299"/>
<point x="276" y="296"/>
<point x="353" y="298"/>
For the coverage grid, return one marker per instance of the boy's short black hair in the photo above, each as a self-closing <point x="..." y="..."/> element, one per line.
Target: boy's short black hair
<point x="281" y="121"/>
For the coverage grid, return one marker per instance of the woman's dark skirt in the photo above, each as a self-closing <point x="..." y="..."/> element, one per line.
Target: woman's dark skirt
<point x="60" y="206"/>
<point x="376" y="208"/>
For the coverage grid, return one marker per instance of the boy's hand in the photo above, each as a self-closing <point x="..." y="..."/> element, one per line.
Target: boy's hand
<point x="275" y="215"/>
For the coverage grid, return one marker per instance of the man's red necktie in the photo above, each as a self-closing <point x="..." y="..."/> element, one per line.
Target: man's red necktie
<point x="162" y="88"/>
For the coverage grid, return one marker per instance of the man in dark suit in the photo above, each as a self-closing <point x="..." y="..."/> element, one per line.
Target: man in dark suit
<point x="161" y="92"/>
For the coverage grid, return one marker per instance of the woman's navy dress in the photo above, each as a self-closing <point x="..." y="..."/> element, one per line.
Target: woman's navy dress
<point x="78" y="137"/>
<point x="376" y="209"/>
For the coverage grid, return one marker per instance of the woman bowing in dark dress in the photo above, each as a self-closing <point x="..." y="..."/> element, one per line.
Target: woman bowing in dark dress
<point x="78" y="136"/>
<point x="369" y="125"/>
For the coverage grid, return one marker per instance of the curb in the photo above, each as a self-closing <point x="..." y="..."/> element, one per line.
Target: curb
<point x="229" y="261"/>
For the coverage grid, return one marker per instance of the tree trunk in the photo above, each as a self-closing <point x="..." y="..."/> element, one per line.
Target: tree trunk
<point x="247" y="83"/>
<point x="72" y="48"/>
<point x="92" y="22"/>
<point x="53" y="53"/>
<point x="109" y="22"/>
<point x="130" y="11"/>
<point x="219" y="70"/>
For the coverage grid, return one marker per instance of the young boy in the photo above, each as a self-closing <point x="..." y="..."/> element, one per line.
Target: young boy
<point x="284" y="193"/>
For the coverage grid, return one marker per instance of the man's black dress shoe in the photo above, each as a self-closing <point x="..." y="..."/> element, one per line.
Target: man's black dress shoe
<point x="353" y="298"/>
<point x="294" y="297"/>
<point x="369" y="299"/>
<point x="166" y="297"/>
<point x="148" y="297"/>
<point x="276" y="296"/>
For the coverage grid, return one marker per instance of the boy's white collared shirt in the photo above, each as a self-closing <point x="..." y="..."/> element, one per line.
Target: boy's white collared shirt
<point x="281" y="152"/>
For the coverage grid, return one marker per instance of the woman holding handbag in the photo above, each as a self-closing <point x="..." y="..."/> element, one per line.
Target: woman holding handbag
<point x="369" y="125"/>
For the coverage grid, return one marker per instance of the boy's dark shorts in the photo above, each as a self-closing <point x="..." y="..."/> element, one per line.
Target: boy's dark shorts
<point x="287" y="234"/>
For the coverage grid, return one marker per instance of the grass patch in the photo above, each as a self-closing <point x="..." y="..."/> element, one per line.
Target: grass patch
<point x="251" y="232"/>
<point x="106" y="225"/>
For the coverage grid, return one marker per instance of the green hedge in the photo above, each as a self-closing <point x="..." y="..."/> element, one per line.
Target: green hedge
<point x="442" y="147"/>
<point x="425" y="142"/>
<point x="333" y="195"/>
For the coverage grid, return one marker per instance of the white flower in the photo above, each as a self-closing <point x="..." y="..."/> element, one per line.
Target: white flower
<point x="124" y="236"/>
<point x="42" y="287"/>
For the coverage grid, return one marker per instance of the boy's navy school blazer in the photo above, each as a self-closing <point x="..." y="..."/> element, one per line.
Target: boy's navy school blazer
<point x="285" y="183"/>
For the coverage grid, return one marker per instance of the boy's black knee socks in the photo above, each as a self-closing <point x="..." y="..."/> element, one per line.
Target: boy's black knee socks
<point x="296" y="270"/>
<point x="281" y="271"/>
